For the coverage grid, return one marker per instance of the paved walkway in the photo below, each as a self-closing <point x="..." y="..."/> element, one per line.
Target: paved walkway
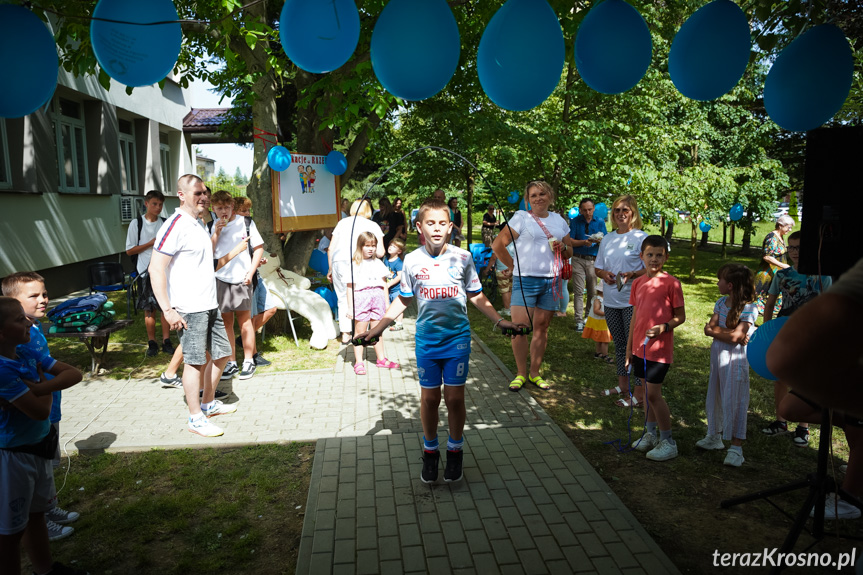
<point x="529" y="502"/>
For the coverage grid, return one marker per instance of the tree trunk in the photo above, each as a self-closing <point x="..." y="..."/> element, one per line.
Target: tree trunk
<point x="567" y="113"/>
<point x="670" y="230"/>
<point x="662" y="226"/>
<point x="747" y="235"/>
<point x="259" y="189"/>
<point x="733" y="229"/>
<point x="693" y="250"/>
<point x="703" y="243"/>
<point x="724" y="240"/>
<point x="471" y="184"/>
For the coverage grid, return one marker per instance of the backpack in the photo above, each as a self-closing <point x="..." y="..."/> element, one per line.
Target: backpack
<point x="134" y="258"/>
<point x="251" y="253"/>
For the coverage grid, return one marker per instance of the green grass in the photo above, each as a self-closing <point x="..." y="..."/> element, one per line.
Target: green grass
<point x="127" y="347"/>
<point x="187" y="511"/>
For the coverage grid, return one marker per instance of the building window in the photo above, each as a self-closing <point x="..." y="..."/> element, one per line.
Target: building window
<point x="128" y="158"/>
<point x="71" y="146"/>
<point x="5" y="175"/>
<point x="165" y="161"/>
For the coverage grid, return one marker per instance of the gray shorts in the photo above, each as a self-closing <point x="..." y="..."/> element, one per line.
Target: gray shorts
<point x="28" y="487"/>
<point x="206" y="332"/>
<point x="233" y="297"/>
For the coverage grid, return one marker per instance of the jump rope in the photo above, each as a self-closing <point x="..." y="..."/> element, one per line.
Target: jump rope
<point x="364" y="198"/>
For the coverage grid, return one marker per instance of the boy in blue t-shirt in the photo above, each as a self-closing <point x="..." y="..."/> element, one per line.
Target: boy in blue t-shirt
<point x="442" y="277"/>
<point x="395" y="264"/>
<point x="27" y="443"/>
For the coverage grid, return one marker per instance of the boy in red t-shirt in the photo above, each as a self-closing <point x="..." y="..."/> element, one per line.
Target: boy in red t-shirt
<point x="657" y="308"/>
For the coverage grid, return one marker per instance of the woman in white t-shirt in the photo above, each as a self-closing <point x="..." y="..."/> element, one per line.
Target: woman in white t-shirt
<point x="540" y="237"/>
<point x="341" y="250"/>
<point x="617" y="264"/>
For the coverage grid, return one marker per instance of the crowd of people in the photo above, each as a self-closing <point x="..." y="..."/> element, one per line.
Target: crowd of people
<point x="198" y="274"/>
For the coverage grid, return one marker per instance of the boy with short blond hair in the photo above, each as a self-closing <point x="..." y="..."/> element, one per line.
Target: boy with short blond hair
<point x="657" y="308"/>
<point x="234" y="281"/>
<point x="443" y="278"/>
<point x="139" y="245"/>
<point x="27" y="444"/>
<point x="395" y="264"/>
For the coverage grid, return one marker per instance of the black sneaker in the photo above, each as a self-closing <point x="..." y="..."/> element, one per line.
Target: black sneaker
<point x="152" y="348"/>
<point x="801" y="436"/>
<point x="452" y="472"/>
<point x="776" y="428"/>
<point x="60" y="569"/>
<point x="168" y="347"/>
<point x="248" y="370"/>
<point x="260" y="361"/>
<point x="430" y="463"/>
<point x="219" y="394"/>
<point x="176" y="382"/>
<point x="230" y="371"/>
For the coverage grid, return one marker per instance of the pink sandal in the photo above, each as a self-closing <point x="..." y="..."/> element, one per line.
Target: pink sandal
<point x="387" y="364"/>
<point x="360" y="368"/>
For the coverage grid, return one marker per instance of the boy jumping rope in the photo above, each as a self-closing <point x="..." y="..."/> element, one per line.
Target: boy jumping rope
<point x="443" y="278"/>
<point x="657" y="308"/>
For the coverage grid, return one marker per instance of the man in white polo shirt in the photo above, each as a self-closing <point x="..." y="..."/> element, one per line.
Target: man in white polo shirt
<point x="184" y="283"/>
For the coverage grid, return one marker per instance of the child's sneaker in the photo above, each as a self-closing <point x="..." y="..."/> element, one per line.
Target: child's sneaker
<point x="645" y="443"/>
<point x="168" y="347"/>
<point x="176" y="382"/>
<point x="230" y="371"/>
<point x="505" y="312"/>
<point x="203" y="427"/>
<point x="453" y="470"/>
<point x="57" y="531"/>
<point x="152" y="348"/>
<point x="664" y="451"/>
<point x="836" y="508"/>
<point x="218" y="408"/>
<point x="776" y="428"/>
<point x="61" y="517"/>
<point x="734" y="458"/>
<point x="218" y="395"/>
<point x="801" y="436"/>
<point x="249" y="369"/>
<point x="430" y="463"/>
<point x="260" y="361"/>
<point x="710" y="442"/>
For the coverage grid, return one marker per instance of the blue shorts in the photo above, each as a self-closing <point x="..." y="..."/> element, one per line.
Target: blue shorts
<point x="393" y="295"/>
<point x="537" y="293"/>
<point x="449" y="370"/>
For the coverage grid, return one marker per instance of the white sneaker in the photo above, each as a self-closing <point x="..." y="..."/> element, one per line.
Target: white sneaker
<point x="505" y="312"/>
<point x="61" y="517"/>
<point x="219" y="408"/>
<point x="836" y="508"/>
<point x="645" y="443"/>
<point x="205" y="428"/>
<point x="663" y="451"/>
<point x="710" y="442"/>
<point x="734" y="458"/>
<point x="57" y="531"/>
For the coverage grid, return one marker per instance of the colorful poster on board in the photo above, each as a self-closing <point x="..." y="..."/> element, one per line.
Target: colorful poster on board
<point x="306" y="195"/>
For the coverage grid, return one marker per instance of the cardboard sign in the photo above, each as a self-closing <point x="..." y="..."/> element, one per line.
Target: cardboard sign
<point x="305" y="196"/>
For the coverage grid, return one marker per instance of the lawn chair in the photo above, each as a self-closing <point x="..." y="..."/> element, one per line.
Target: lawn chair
<point x="109" y="277"/>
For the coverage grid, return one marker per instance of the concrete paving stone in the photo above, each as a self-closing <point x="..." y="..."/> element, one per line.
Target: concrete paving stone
<point x="347" y="491"/>
<point x="548" y="547"/>
<point x="330" y="468"/>
<point x="365" y="498"/>
<point x="542" y="470"/>
<point x="511" y="570"/>
<point x="365" y="481"/>
<point x="346" y="528"/>
<point x="385" y="506"/>
<point x="413" y="559"/>
<point x="532" y="562"/>
<point x="590" y="511"/>
<point x="588" y="483"/>
<point x="495" y="529"/>
<point x="406" y="514"/>
<point x="560" y="567"/>
<point x="605" y="500"/>
<point x="387" y="527"/>
<point x="409" y="535"/>
<point x="447" y="511"/>
<point x="462" y="496"/>
<point x="459" y="555"/>
<point x="624" y="557"/>
<point x="478" y="489"/>
<point x="401" y="479"/>
<point x="367" y="562"/>
<point x="502" y="498"/>
<point x="330" y="483"/>
<point x="345" y="551"/>
<point x="323" y="542"/>
<point x="347" y="508"/>
<point x="564" y="503"/>
<point x="578" y="494"/>
<point x="525" y="505"/>
<point x="591" y="545"/>
<point x="434" y="545"/>
<point x="392" y="567"/>
<point x="478" y="542"/>
<point x="325" y="519"/>
<point x="487" y="508"/>
<point x="366" y="517"/>
<point x="452" y="531"/>
<point x="321" y="563"/>
<point x="577" y="559"/>
<point x="634" y="542"/>
<point x="470" y="519"/>
<point x="504" y="551"/>
<point x="389" y="548"/>
<point x="429" y="523"/>
<point x="550" y="513"/>
<point x="521" y="538"/>
<point x="511" y="517"/>
<point x="438" y="565"/>
<point x="605" y="532"/>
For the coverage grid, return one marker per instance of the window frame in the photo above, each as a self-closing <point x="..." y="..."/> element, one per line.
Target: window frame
<point x="4" y="143"/>
<point x="165" y="165"/>
<point x="128" y="157"/>
<point x="73" y="124"/>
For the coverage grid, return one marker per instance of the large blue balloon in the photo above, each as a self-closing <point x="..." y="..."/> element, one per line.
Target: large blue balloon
<point x="29" y="62"/>
<point x="319" y="36"/>
<point x="810" y="79"/>
<point x="704" y="227"/>
<point x="132" y="54"/>
<point x="736" y="212"/>
<point x="521" y="55"/>
<point x="279" y="158"/>
<point x="513" y="197"/>
<point x="415" y="47"/>
<point x="710" y="51"/>
<point x="336" y="163"/>
<point x="523" y="206"/>
<point x="573" y="212"/>
<point x="756" y="351"/>
<point x="613" y="47"/>
<point x="600" y="211"/>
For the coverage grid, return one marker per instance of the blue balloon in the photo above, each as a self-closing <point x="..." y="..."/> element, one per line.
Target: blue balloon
<point x="523" y="206"/>
<point x="810" y="79"/>
<point x="710" y="52"/>
<point x="319" y="37"/>
<point x="319" y="262"/>
<point x="513" y="197"/>
<point x="415" y="48"/>
<point x="131" y="54"/>
<point x="600" y="211"/>
<point x="704" y="227"/>
<point x="736" y="212"/>
<point x="521" y="55"/>
<point x="337" y="163"/>
<point x="759" y="343"/>
<point x="573" y="212"/>
<point x="31" y="80"/>
<point x="613" y="47"/>
<point x="279" y="158"/>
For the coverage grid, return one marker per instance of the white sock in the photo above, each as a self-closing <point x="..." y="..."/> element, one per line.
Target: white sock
<point x="195" y="418"/>
<point x="247" y="364"/>
<point x="206" y="406"/>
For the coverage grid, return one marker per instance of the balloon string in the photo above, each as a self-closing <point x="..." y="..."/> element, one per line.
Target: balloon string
<point x="557" y="282"/>
<point x="326" y="145"/>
